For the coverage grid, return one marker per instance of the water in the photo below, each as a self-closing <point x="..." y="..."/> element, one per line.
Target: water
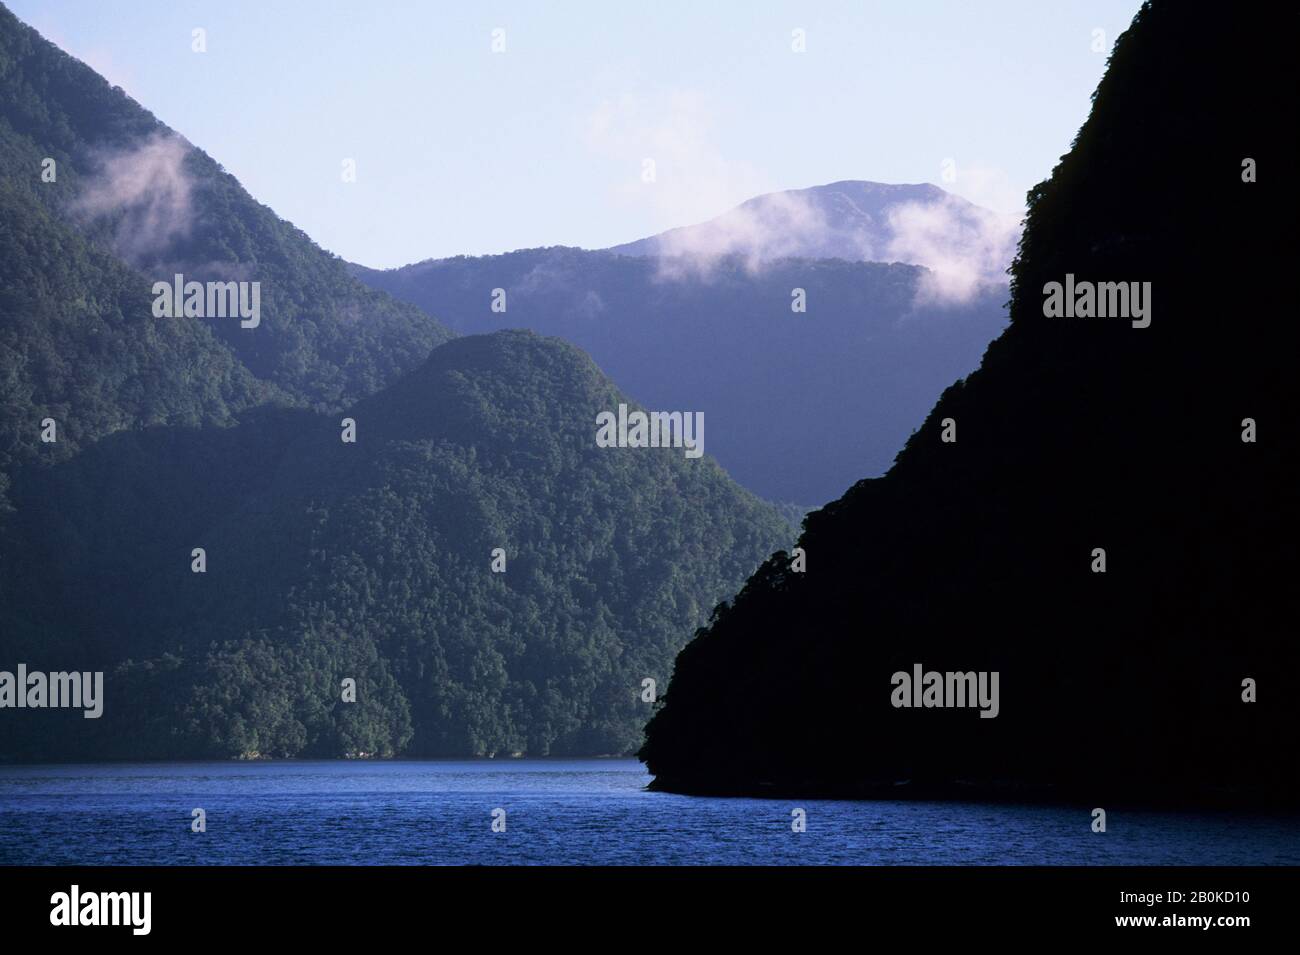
<point x="558" y="812"/>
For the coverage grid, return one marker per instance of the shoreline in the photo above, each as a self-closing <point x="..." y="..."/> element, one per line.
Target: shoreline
<point x="1164" y="798"/>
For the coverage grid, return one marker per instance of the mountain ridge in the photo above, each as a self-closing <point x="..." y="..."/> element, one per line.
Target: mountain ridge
<point x="855" y="220"/>
<point x="129" y="184"/>
<point x="1088" y="514"/>
<point x="799" y="404"/>
<point x="195" y="523"/>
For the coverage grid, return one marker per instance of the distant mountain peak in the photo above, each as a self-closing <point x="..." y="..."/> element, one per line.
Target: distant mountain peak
<point x="965" y="246"/>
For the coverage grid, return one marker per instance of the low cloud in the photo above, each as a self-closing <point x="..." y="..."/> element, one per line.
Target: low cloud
<point x="965" y="248"/>
<point x="693" y="178"/>
<point x="145" y="193"/>
<point x="777" y="226"/>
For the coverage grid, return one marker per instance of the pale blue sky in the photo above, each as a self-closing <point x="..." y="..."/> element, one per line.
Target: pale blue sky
<point x="462" y="150"/>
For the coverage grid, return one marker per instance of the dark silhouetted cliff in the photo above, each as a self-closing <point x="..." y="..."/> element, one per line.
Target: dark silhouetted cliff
<point x="1074" y="434"/>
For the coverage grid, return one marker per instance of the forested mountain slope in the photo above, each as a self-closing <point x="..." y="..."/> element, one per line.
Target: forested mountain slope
<point x="800" y="403"/>
<point x="322" y="560"/>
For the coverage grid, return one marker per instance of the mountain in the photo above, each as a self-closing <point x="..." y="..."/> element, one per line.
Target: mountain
<point x="80" y="159"/>
<point x="374" y="560"/>
<point x="322" y="560"/>
<point x="798" y="404"/>
<point x="859" y="221"/>
<point x="77" y="345"/>
<point x="1114" y="529"/>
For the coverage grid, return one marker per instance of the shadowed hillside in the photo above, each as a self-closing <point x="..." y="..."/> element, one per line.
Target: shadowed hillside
<point x="374" y="561"/>
<point x="126" y="187"/>
<point x="1074" y="434"/>
<point x="799" y="404"/>
<point x="323" y="560"/>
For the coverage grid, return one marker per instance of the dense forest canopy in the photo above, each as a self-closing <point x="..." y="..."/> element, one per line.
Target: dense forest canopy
<point x="323" y="560"/>
<point x="800" y="404"/>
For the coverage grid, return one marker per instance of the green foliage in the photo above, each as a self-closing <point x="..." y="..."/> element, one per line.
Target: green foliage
<point x="77" y="336"/>
<point x="799" y="405"/>
<point x="372" y="561"/>
<point x="77" y="344"/>
<point x="326" y="561"/>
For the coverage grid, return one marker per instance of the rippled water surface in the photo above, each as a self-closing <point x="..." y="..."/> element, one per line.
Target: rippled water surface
<point x="557" y="812"/>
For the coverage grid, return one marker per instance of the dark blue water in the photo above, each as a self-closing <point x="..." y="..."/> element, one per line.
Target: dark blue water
<point x="557" y="812"/>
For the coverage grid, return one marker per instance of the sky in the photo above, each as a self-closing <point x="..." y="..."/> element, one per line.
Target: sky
<point x="462" y="149"/>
